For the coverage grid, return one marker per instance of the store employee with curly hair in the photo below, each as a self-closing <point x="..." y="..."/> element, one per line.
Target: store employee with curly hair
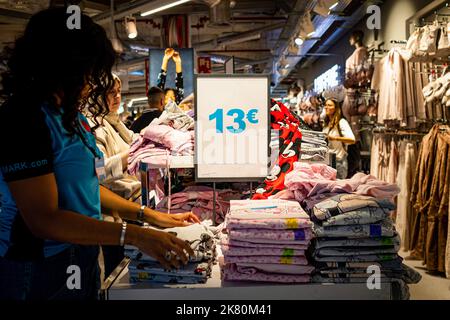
<point x="51" y="200"/>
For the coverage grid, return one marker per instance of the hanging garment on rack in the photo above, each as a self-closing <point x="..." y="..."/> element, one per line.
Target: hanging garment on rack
<point x="290" y="149"/>
<point x="405" y="178"/>
<point x="430" y="196"/>
<point x="447" y="251"/>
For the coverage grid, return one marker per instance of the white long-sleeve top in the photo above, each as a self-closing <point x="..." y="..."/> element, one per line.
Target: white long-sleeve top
<point x="114" y="138"/>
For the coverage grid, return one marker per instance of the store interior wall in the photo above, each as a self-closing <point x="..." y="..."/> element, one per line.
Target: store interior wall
<point x="394" y="14"/>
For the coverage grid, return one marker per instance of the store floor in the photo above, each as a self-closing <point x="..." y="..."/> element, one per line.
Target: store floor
<point x="430" y="287"/>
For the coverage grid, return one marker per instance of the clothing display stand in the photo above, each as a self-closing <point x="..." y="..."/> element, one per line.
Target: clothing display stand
<point x="214" y="203"/>
<point x="179" y="162"/>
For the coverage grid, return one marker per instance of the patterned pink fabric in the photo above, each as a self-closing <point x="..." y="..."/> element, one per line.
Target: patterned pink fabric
<point x="251" y="268"/>
<point x="273" y="224"/>
<point x="274" y="245"/>
<point x="230" y="273"/>
<point x="173" y="139"/>
<point x="199" y="200"/>
<point x="239" y="251"/>
<point x="267" y="259"/>
<point x="305" y="183"/>
<point x="262" y="234"/>
<point x="157" y="144"/>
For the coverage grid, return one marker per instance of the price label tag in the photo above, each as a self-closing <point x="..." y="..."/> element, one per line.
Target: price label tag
<point x="232" y="127"/>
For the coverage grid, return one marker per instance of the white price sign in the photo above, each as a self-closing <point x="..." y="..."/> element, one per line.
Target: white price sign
<point x="232" y="127"/>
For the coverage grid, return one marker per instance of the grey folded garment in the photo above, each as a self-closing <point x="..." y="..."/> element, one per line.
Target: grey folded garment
<point x="362" y="242"/>
<point x="342" y="203"/>
<point x="314" y="141"/>
<point x="366" y="215"/>
<point x="346" y="252"/>
<point x="350" y="278"/>
<point x="407" y="274"/>
<point x="357" y="258"/>
<point x="394" y="265"/>
<point x="153" y="272"/>
<point x="310" y="146"/>
<point x="175" y="117"/>
<point x="199" y="236"/>
<point x="314" y="157"/>
<point x="383" y="229"/>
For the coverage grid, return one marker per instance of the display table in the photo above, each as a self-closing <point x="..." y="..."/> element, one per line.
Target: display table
<point x="216" y="289"/>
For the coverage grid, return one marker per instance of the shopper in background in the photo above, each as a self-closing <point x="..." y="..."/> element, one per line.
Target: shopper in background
<point x="339" y="135"/>
<point x="155" y="98"/>
<point x="51" y="200"/>
<point x="113" y="139"/>
<point x="177" y="94"/>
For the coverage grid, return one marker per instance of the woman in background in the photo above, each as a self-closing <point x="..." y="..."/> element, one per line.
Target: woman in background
<point x="340" y="135"/>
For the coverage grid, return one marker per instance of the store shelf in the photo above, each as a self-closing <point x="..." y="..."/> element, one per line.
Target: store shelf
<point x="216" y="289"/>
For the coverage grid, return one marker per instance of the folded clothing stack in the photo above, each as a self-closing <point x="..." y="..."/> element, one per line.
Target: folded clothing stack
<point x="266" y="242"/>
<point x="314" y="146"/>
<point x="354" y="232"/>
<point x="308" y="180"/>
<point x="144" y="268"/>
<point x="157" y="144"/>
<point x="199" y="200"/>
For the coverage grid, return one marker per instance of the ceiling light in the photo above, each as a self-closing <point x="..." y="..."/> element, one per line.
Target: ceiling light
<point x="334" y="6"/>
<point x="158" y="6"/>
<point x="130" y="26"/>
<point x="307" y="27"/>
<point x="324" y="7"/>
<point x="299" y="41"/>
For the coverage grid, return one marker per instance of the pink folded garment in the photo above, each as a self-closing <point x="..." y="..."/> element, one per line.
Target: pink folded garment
<point x="279" y="242"/>
<point x="263" y="234"/>
<point x="251" y="268"/>
<point x="230" y="273"/>
<point x="239" y="251"/>
<point x="304" y="185"/>
<point x="266" y="259"/>
<point x="274" y="245"/>
<point x="272" y="224"/>
<point x="168" y="136"/>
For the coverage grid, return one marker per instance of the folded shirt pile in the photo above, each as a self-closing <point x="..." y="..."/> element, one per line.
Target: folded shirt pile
<point x="266" y="242"/>
<point x="314" y="146"/>
<point x="144" y="268"/>
<point x="308" y="180"/>
<point x="353" y="232"/>
<point x="199" y="200"/>
<point x="157" y="144"/>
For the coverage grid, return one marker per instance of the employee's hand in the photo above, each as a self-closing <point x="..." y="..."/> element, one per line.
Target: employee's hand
<point x="169" y="250"/>
<point x="186" y="217"/>
<point x="165" y="220"/>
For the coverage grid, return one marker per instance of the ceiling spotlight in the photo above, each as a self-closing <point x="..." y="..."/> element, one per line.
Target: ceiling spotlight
<point x="161" y="5"/>
<point x="332" y="7"/>
<point x="130" y="26"/>
<point x="307" y="28"/>
<point x="299" y="41"/>
<point x="324" y="7"/>
<point x="232" y="4"/>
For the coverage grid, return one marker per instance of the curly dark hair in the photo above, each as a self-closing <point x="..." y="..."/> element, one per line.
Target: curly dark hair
<point x="52" y="59"/>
